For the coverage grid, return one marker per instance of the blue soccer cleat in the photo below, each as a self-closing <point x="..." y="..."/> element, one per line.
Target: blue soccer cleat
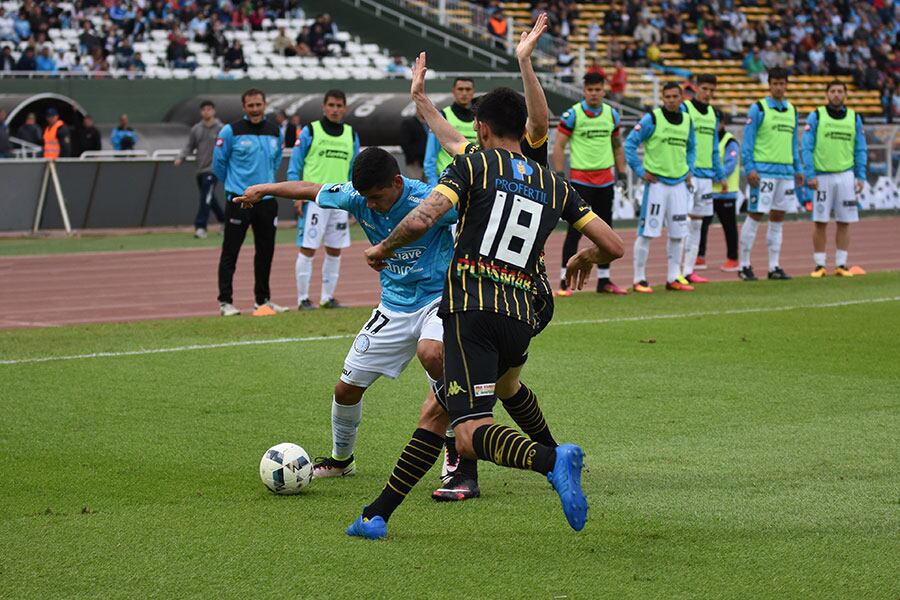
<point x="371" y="529"/>
<point x="566" y="480"/>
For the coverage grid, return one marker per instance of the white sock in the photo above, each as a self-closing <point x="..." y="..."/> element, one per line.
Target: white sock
<point x="641" y="253"/>
<point x="344" y="425"/>
<point x="748" y="236"/>
<point x="602" y="273"/>
<point x="819" y="258"/>
<point x="331" y="270"/>
<point x="773" y="239"/>
<point x="673" y="253"/>
<point x="303" y="271"/>
<point x="840" y="258"/>
<point x="692" y="246"/>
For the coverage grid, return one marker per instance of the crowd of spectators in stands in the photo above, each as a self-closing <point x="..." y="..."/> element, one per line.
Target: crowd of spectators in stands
<point x="124" y="22"/>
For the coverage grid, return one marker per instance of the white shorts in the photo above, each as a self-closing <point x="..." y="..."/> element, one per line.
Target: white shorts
<point x="702" y="198"/>
<point x="836" y="192"/>
<point x="664" y="204"/>
<point x="388" y="341"/>
<point x="774" y="194"/>
<point x="319" y="226"/>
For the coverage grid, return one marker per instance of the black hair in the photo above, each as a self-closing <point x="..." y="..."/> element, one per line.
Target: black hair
<point x="206" y="103"/>
<point x="503" y="110"/>
<point x="252" y="92"/>
<point x="458" y="79"/>
<point x="706" y="78"/>
<point x="672" y="85"/>
<point x="337" y="94"/>
<point x="593" y="79"/>
<point x="835" y="82"/>
<point x="778" y="73"/>
<point x="374" y="168"/>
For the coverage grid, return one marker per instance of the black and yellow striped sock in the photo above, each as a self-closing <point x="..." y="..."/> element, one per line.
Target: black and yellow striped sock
<point x="419" y="455"/>
<point x="509" y="448"/>
<point x="524" y="410"/>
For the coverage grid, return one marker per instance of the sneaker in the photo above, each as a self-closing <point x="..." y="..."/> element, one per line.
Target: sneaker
<point x="451" y="461"/>
<point x="610" y="288"/>
<point x="227" y="309"/>
<point x="857" y="270"/>
<point x="642" y="287"/>
<point x="566" y="480"/>
<point x="677" y="286"/>
<point x="747" y="274"/>
<point x="820" y="271"/>
<point x="275" y="308"/>
<point x="694" y="278"/>
<point x="331" y="467"/>
<point x="371" y="529"/>
<point x="200" y="234"/>
<point x="305" y="304"/>
<point x="331" y="303"/>
<point x="778" y="273"/>
<point x="563" y="291"/>
<point x="460" y="487"/>
<point x="730" y="266"/>
<point x="841" y="271"/>
<point x="700" y="264"/>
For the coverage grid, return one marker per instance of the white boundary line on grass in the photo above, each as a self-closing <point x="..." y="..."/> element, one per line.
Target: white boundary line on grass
<point x="321" y="338"/>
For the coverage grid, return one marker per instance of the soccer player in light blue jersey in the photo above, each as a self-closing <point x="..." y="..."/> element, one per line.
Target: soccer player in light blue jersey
<point x="405" y="323"/>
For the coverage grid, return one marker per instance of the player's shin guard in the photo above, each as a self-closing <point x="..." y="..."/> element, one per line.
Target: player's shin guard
<point x="419" y="455"/>
<point x="303" y="272"/>
<point x="509" y="448"/>
<point x="692" y="246"/>
<point x="524" y="410"/>
<point x="773" y="240"/>
<point x="748" y="237"/>
<point x="331" y="270"/>
<point x="344" y="426"/>
<point x="673" y="254"/>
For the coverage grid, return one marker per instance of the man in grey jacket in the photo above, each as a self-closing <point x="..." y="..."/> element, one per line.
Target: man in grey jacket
<point x="202" y="140"/>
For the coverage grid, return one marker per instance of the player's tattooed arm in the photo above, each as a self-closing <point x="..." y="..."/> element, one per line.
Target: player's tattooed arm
<point x="411" y="228"/>
<point x="450" y="139"/>
<point x="292" y="190"/>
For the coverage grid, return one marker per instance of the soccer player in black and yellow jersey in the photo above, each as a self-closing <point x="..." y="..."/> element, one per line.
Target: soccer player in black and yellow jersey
<point x="508" y="206"/>
<point x="460" y="475"/>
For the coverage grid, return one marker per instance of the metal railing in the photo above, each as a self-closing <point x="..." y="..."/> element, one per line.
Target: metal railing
<point x="25" y="149"/>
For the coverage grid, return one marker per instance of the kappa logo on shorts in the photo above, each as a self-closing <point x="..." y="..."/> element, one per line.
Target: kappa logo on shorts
<point x="361" y="343"/>
<point x="484" y="389"/>
<point x="454" y="389"/>
<point x="234" y="221"/>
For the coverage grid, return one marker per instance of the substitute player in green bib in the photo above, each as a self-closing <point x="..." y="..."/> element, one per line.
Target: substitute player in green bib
<point x="460" y="115"/>
<point x="834" y="155"/>
<point x="707" y="170"/>
<point x="669" y="155"/>
<point x="772" y="162"/>
<point x="324" y="153"/>
<point x="591" y="130"/>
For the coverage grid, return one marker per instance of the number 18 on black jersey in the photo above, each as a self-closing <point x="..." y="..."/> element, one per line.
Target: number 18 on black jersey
<point x="508" y="206"/>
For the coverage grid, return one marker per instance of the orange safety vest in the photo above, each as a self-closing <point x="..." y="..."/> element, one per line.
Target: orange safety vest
<point x="51" y="140"/>
<point x="498" y="26"/>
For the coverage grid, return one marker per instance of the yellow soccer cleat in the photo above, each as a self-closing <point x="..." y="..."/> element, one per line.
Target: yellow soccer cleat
<point x="842" y="272"/>
<point x="819" y="272"/>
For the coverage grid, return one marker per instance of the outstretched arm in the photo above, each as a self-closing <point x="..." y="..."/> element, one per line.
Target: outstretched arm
<point x="293" y="190"/>
<point x="538" y="123"/>
<point x="451" y="140"/>
<point x="411" y="228"/>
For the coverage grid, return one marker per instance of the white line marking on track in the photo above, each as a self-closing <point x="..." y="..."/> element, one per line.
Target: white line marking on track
<point x="322" y="338"/>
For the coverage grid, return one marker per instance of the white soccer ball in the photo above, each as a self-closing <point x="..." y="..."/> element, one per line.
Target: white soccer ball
<point x="285" y="469"/>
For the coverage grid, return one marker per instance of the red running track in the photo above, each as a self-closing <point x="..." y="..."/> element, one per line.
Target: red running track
<point x="64" y="289"/>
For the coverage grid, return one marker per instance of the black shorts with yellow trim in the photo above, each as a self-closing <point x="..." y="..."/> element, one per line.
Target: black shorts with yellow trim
<point x="479" y="347"/>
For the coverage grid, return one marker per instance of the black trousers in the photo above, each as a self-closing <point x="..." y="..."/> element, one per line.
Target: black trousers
<point x="262" y="218"/>
<point x="725" y="211"/>
<point x="206" y="183"/>
<point x="601" y="202"/>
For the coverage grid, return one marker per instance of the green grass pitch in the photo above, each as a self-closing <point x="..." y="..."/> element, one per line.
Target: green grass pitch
<point x="742" y="442"/>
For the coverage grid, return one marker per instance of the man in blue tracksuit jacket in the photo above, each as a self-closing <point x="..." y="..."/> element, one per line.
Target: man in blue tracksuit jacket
<point x="248" y="152"/>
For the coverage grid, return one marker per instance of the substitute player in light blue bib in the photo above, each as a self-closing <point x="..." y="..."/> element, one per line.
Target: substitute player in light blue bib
<point x="405" y="323"/>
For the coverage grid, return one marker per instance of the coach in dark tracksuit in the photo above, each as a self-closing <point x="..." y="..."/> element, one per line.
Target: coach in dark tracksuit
<point x="248" y="152"/>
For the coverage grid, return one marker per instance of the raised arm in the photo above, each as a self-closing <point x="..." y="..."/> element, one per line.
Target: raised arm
<point x="538" y="123"/>
<point x="447" y="135"/>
